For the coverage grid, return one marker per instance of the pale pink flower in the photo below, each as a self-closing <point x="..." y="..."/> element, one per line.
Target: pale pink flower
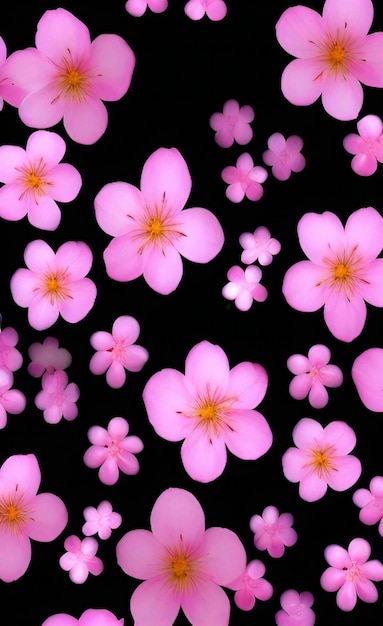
<point x="47" y="357"/>
<point x="321" y="458"/>
<point x="367" y="374"/>
<point x="250" y="586"/>
<point x="244" y="180"/>
<point x="342" y="271"/>
<point x="259" y="246"/>
<point x="8" y="90"/>
<point x="25" y="515"/>
<point x="233" y="124"/>
<point x="367" y="146"/>
<point x="101" y="520"/>
<point x="138" y="7"/>
<point x="67" y="76"/>
<point x="112" y="450"/>
<point x="272" y="532"/>
<point x="312" y="375"/>
<point x="57" y="398"/>
<point x="54" y="284"/>
<point x="90" y="617"/>
<point x="244" y="286"/>
<point x="182" y="564"/>
<point x="118" y="352"/>
<point x="11" y="400"/>
<point x="296" y="609"/>
<point x="10" y="358"/>
<point x="79" y="558"/>
<point x="210" y="407"/>
<point x="214" y="9"/>
<point x="350" y="573"/>
<point x="150" y="236"/>
<point x="284" y="155"/>
<point x="370" y="503"/>
<point x="335" y="55"/>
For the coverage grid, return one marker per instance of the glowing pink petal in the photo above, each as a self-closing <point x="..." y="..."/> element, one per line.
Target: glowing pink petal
<point x="110" y="206"/>
<point x="187" y="519"/>
<point x="249" y="436"/>
<point x="344" y="317"/>
<point x="203" y="238"/>
<point x="154" y="602"/>
<point x="15" y="556"/>
<point x="58" y="31"/>
<point x="113" y="77"/>
<point x="85" y="121"/>
<point x="300" y="83"/>
<point x="139" y="554"/>
<point x="166" y="172"/>
<point x="207" y="604"/>
<point x="298" y="29"/>
<point x="50" y="517"/>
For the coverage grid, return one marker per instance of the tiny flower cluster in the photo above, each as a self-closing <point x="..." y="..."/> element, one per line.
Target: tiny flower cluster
<point x="11" y="400"/>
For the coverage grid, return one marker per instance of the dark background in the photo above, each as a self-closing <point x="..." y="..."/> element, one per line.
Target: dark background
<point x="184" y="72"/>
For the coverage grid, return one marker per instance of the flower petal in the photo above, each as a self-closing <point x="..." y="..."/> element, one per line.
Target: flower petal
<point x="226" y="557"/>
<point x="165" y="180"/>
<point x="140" y="554"/>
<point x="178" y="516"/>
<point x="114" y="61"/>
<point x="203" y="238"/>
<point x="154" y="602"/>
<point x="249" y="435"/>
<point x="203" y="455"/>
<point x="207" y="603"/>
<point x="50" y="517"/>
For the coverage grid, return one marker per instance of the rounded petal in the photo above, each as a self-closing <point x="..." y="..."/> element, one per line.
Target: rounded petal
<point x="126" y="328"/>
<point x="207" y="364"/>
<point x="122" y="260"/>
<point x="140" y="554"/>
<point x="298" y="364"/>
<point x="333" y="578"/>
<point x="203" y="238"/>
<point x="364" y="164"/>
<point x="300" y="386"/>
<point x="369" y="70"/>
<point x="86" y="120"/>
<point x="48" y="144"/>
<point x="367" y="374"/>
<point x="298" y="29"/>
<point x="312" y="487"/>
<point x="60" y="32"/>
<point x="15" y="549"/>
<point x="206" y="604"/>
<point x="66" y="182"/>
<point x="60" y="619"/>
<point x="109" y="471"/>
<point x="203" y="455"/>
<point x="50" y="516"/>
<point x="177" y="513"/>
<point x="42" y="108"/>
<point x="346" y="596"/>
<point x="135" y="358"/>
<point x="359" y="550"/>
<point x="101" y="340"/>
<point x="249" y="435"/>
<point x="10" y="158"/>
<point x="301" y="83"/>
<point x="341" y="436"/>
<point x="163" y="269"/>
<point x="345" y="316"/>
<point x="306" y="432"/>
<point x="357" y="17"/>
<point x="118" y="428"/>
<point x="342" y="97"/>
<point x="95" y="456"/>
<point x="116" y="375"/>
<point x="366" y="590"/>
<point x="83" y="295"/>
<point x="165" y="180"/>
<point x="318" y="233"/>
<point x="318" y="396"/>
<point x="38" y="255"/>
<point x="248" y="384"/>
<point x="302" y="286"/>
<point x="226" y="555"/>
<point x="46" y="214"/>
<point x="331" y="376"/>
<point x="116" y="205"/>
<point x="20" y="472"/>
<point x="100" y="362"/>
<point x="154" y="602"/>
<point x="114" y="61"/>
<point x="364" y="229"/>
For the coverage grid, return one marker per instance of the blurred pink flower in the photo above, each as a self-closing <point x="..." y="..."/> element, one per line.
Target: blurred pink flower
<point x="233" y="124"/>
<point x="258" y="246"/>
<point x="214" y="9"/>
<point x="244" y="287"/>
<point x="335" y="55"/>
<point x="296" y="609"/>
<point x="54" y="284"/>
<point x="312" y="375"/>
<point x="342" y="271"/>
<point x="79" y="558"/>
<point x="11" y="400"/>
<point x="8" y="90"/>
<point x="25" y="515"/>
<point x="244" y="179"/>
<point x="57" y="398"/>
<point x="250" y="586"/>
<point x="351" y="573"/>
<point x="47" y="356"/>
<point x="68" y="76"/>
<point x="101" y="520"/>
<point x="367" y="146"/>
<point x="321" y="458"/>
<point x="10" y="358"/>
<point x="367" y="374"/>
<point x="371" y="503"/>
<point x="138" y="7"/>
<point x="90" y="617"/>
<point x="151" y="238"/>
<point x="210" y="407"/>
<point x="272" y="532"/>
<point x="284" y="155"/>
<point x="118" y="352"/>
<point x="113" y="450"/>
<point x="182" y="565"/>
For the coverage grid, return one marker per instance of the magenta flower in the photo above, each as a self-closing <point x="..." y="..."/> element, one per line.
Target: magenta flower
<point x="10" y="358"/>
<point x="118" y="352"/>
<point x="342" y="271"/>
<point x="54" y="284"/>
<point x="181" y="564"/>
<point x="350" y="573"/>
<point x="67" y="76"/>
<point x="214" y="9"/>
<point x="321" y="458"/>
<point x="272" y="532"/>
<point x="57" y="398"/>
<point x="244" y="287"/>
<point x="233" y="124"/>
<point x="11" y="400"/>
<point x="367" y="374"/>
<point x="250" y="586"/>
<point x="296" y="609"/>
<point x="367" y="146"/>
<point x="312" y="375"/>
<point x="335" y="55"/>
<point x="156" y="231"/>
<point x="244" y="179"/>
<point x="210" y="407"/>
<point x="284" y="155"/>
<point x="258" y="246"/>
<point x="34" y="179"/>
<point x="79" y="558"/>
<point x="90" y="617"/>
<point x="101" y="520"/>
<point x="138" y="7"/>
<point x="113" y="450"/>
<point x="47" y="357"/>
<point x="370" y="503"/>
<point x="25" y="515"/>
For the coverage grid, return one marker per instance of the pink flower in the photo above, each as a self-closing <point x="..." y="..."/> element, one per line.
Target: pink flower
<point x="8" y="90"/>
<point x="25" y="515"/>
<point x="101" y="520"/>
<point x="297" y="611"/>
<point x="210" y="407"/>
<point x="150" y="238"/>
<point x="367" y="374"/>
<point x="11" y="400"/>
<point x="284" y="155"/>
<point x="214" y="9"/>
<point x="113" y="450"/>
<point x="34" y="179"/>
<point x="272" y="532"/>
<point x="258" y="246"/>
<point x="244" y="287"/>
<point x="10" y="358"/>
<point x="138" y="7"/>
<point x="371" y="503"/>
<point x="321" y="458"/>
<point x="342" y="271"/>
<point x="250" y="585"/>
<point x="351" y="573"/>
<point x="54" y="284"/>
<point x="57" y="399"/>
<point x="367" y="146"/>
<point x="67" y="76"/>
<point x="117" y="352"/>
<point x="182" y="565"/>
<point x="335" y="55"/>
<point x="244" y="179"/>
<point x="233" y="124"/>
<point x="79" y="558"/>
<point x="47" y="356"/>
<point x="312" y="375"/>
<point x="90" y="617"/>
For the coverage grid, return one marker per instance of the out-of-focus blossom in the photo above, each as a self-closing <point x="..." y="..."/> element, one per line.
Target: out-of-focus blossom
<point x="101" y="520"/>
<point x="272" y="532"/>
<point x="11" y="400"/>
<point x="79" y="558"/>
<point x="47" y="357"/>
<point x="233" y="124"/>
<point x="57" y="398"/>
<point x="244" y="179"/>
<point x="250" y="586"/>
<point x="244" y="286"/>
<point x="138" y="7"/>
<point x="296" y="609"/>
<point x="367" y="146"/>
<point x="367" y="374"/>
<point x="284" y="155"/>
<point x="214" y="9"/>
<point x="90" y="617"/>
<point x="10" y="358"/>
<point x="258" y="246"/>
<point x="370" y="503"/>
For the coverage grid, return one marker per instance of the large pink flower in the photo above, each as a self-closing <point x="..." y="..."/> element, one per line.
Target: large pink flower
<point x="182" y="565"/>
<point x="25" y="515"/>
<point x="210" y="407"/>
<point x="367" y="374"/>
<point x="335" y="55"/>
<point x="90" y="617"/>
<point x="342" y="271"/>
<point x="67" y="76"/>
<point x="150" y="229"/>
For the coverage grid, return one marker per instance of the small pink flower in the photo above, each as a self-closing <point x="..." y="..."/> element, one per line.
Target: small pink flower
<point x="367" y="146"/>
<point x="10" y="358"/>
<point x="57" y="398"/>
<point x="138" y="7"/>
<point x="244" y="286"/>
<point x="101" y="520"/>
<point x="371" y="503"/>
<point x="233" y="124"/>
<point x="351" y="573"/>
<point x="47" y="357"/>
<point x="11" y="400"/>
<point x="258" y="246"/>
<point x="296" y="609"/>
<point x="113" y="450"/>
<point x="321" y="458"/>
<point x="250" y="586"/>
<point x="312" y="375"/>
<point x="118" y="352"/>
<point x="214" y="9"/>
<point x="284" y="155"/>
<point x="79" y="558"/>
<point x="244" y="179"/>
<point x="273" y="531"/>
<point x="367" y="374"/>
<point x="90" y="617"/>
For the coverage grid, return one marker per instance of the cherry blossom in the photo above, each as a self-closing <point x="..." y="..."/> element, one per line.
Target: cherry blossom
<point x="272" y="532"/>
<point x="258" y="246"/>
<point x="57" y="398"/>
<point x="244" y="286"/>
<point x="250" y="586"/>
<point x="90" y="617"/>
<point x="101" y="520"/>
<point x="214" y="9"/>
<point x="9" y="92"/>
<point x="138" y="7"/>
<point x="284" y="155"/>
<point x="11" y="400"/>
<point x="10" y="358"/>
<point x="233" y="124"/>
<point x="244" y="180"/>
<point x="296" y="609"/>
<point x="370" y="503"/>
<point x="79" y="558"/>
<point x="367" y="146"/>
<point x="47" y="357"/>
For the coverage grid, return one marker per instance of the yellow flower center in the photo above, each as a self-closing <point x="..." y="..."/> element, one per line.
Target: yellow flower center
<point x="341" y="271"/>
<point x="155" y="228"/>
<point x="337" y="55"/>
<point x="54" y="286"/>
<point x="33" y="179"/>
<point x="344" y="272"/>
<point x="208" y="412"/>
<point x="180" y="566"/>
<point x="73" y="78"/>
<point x="322" y="460"/>
<point x="13" y="513"/>
<point x="73" y="82"/>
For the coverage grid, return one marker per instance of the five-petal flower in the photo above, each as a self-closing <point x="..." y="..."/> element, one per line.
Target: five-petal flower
<point x="80" y="558"/>
<point x="244" y="179"/>
<point x="272" y="532"/>
<point x="244" y="286"/>
<point x="284" y="155"/>
<point x="101" y="520"/>
<point x="233" y="124"/>
<point x="250" y="586"/>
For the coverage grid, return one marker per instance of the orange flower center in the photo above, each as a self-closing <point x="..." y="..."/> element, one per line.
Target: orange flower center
<point x="213" y="413"/>
<point x="54" y="286"/>
<point x="33" y="178"/>
<point x="344" y="272"/>
<point x="322" y="460"/>
<point x="181" y="568"/>
<point x="336" y="55"/>
<point x="73" y="80"/>
<point x="13" y="513"/>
